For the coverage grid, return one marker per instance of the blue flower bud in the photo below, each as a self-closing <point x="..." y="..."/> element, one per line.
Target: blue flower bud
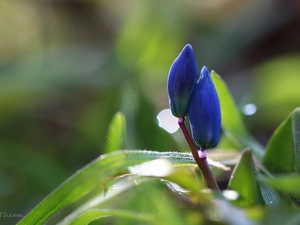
<point x="181" y="81"/>
<point x="204" y="112"/>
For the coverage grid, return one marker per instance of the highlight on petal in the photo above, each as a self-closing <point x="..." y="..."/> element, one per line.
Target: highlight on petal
<point x="204" y="112"/>
<point x="181" y="81"/>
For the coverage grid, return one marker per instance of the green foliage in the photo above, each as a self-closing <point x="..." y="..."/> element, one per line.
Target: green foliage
<point x="94" y="214"/>
<point x="283" y="156"/>
<point x="284" y="184"/>
<point x="127" y="185"/>
<point x="96" y="175"/>
<point x="231" y="118"/>
<point x="87" y="78"/>
<point x="116" y="133"/>
<point x="232" y="123"/>
<point x="281" y="215"/>
<point x="243" y="181"/>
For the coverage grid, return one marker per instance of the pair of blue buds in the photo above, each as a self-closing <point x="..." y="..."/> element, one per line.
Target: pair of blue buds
<point x="195" y="97"/>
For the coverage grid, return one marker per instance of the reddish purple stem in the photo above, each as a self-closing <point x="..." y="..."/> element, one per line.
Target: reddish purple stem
<point x="200" y="160"/>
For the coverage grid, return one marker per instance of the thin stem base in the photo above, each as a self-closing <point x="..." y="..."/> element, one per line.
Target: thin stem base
<point x="200" y="158"/>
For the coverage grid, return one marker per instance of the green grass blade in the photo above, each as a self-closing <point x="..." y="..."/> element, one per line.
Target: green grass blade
<point x="231" y="118"/>
<point x="94" y="214"/>
<point x="120" y="186"/>
<point x="93" y="175"/>
<point x="116" y="136"/>
<point x="232" y="123"/>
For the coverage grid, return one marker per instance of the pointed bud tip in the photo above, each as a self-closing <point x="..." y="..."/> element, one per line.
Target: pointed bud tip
<point x="188" y="47"/>
<point x="204" y="70"/>
<point x="247" y="151"/>
<point x="188" y="51"/>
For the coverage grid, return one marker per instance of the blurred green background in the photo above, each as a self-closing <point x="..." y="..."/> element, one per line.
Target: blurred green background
<point x="67" y="66"/>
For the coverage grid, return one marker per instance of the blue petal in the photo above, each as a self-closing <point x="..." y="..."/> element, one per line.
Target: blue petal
<point x="181" y="81"/>
<point x="204" y="112"/>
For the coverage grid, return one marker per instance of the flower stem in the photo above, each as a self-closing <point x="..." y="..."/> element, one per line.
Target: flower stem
<point x="201" y="161"/>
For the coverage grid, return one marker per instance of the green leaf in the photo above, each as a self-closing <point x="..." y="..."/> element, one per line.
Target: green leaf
<point x="270" y="196"/>
<point x="285" y="184"/>
<point x="283" y="150"/>
<point x="94" y="175"/>
<point x="116" y="136"/>
<point x="185" y="177"/>
<point x="232" y="123"/>
<point x="281" y="215"/>
<point x="117" y="187"/>
<point x="129" y="191"/>
<point x="94" y="214"/>
<point x="244" y="182"/>
<point x="231" y="118"/>
<point x="168" y="212"/>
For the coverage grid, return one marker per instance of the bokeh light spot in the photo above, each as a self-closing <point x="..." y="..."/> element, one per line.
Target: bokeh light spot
<point x="249" y="109"/>
<point x="167" y="121"/>
<point x="230" y="194"/>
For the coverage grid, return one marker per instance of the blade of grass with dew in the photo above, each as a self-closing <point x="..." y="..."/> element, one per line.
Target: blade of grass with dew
<point x="94" y="175"/>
